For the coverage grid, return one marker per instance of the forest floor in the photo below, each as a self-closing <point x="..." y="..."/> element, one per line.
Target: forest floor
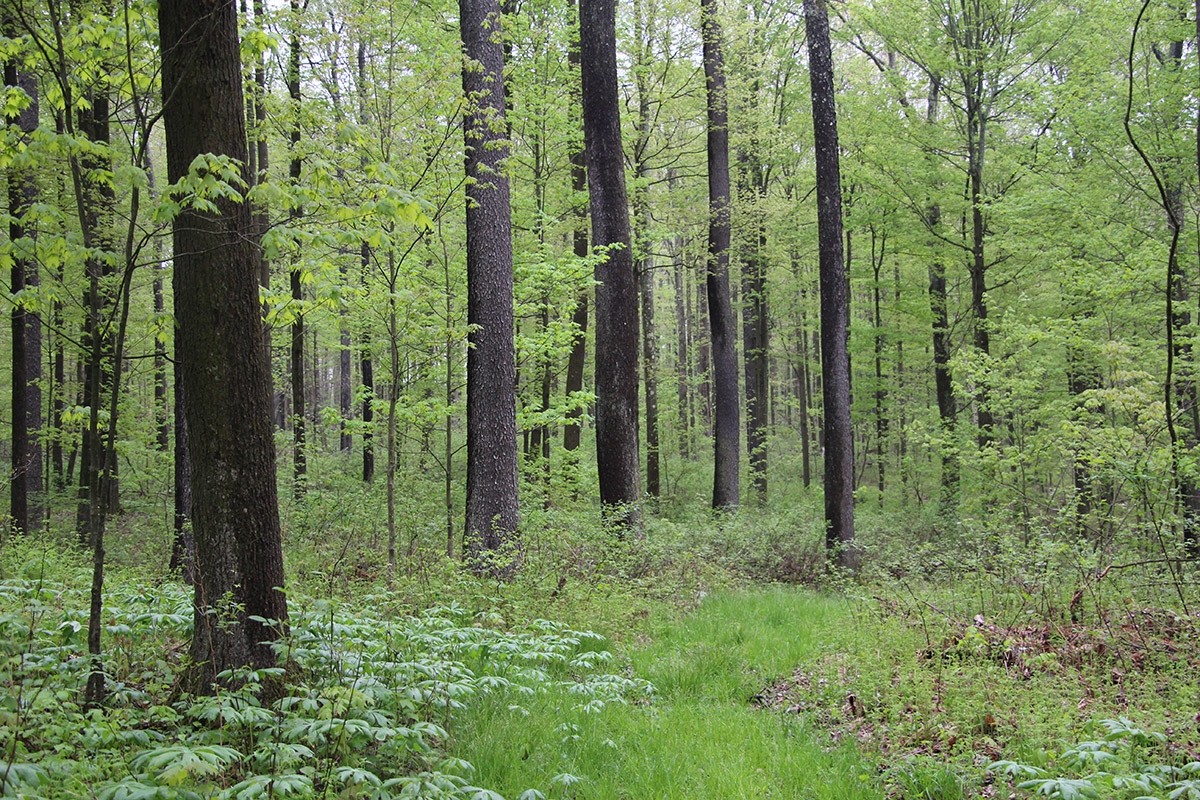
<point x="785" y="693"/>
<point x="702" y="735"/>
<point x="984" y="667"/>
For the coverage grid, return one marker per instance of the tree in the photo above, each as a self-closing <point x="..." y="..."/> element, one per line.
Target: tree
<point x="726" y="405"/>
<point x="25" y="508"/>
<point x="492" y="507"/>
<point x="239" y="605"/>
<point x="835" y="295"/>
<point x="616" y="291"/>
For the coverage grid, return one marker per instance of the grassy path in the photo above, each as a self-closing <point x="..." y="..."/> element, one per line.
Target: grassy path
<point x="700" y="739"/>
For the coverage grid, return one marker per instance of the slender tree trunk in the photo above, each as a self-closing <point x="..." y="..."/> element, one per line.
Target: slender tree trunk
<point x="642" y="245"/>
<point x="260" y="157"/>
<point x="183" y="546"/>
<point x="366" y="363"/>
<point x="579" y="241"/>
<point x="704" y="356"/>
<point x="754" y="326"/>
<point x="682" y="361"/>
<point x="617" y="292"/>
<point x="299" y="423"/>
<point x="26" y="509"/>
<point x="881" y="420"/>
<point x="727" y="405"/>
<point x="835" y="297"/>
<point x="943" y="382"/>
<point x="223" y="372"/>
<point x="492" y="543"/>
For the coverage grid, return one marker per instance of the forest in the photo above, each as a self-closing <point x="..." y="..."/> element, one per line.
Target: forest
<point x="583" y="399"/>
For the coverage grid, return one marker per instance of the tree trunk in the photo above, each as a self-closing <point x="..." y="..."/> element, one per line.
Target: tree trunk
<point x="878" y="248"/>
<point x="835" y="297"/>
<point x="26" y="506"/>
<point x="299" y="423"/>
<point x="727" y="405"/>
<point x="682" y="361"/>
<point x="492" y="544"/>
<point x="223" y="372"/>
<point x="754" y="325"/>
<point x="617" y="292"/>
<point x="643" y="245"/>
<point x="183" y="546"/>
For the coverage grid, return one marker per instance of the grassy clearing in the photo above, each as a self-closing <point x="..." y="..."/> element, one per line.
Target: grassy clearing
<point x="701" y="736"/>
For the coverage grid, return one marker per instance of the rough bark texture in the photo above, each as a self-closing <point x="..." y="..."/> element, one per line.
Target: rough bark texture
<point x="835" y="296"/>
<point x="223" y="371"/>
<point x="726" y="402"/>
<point x="25" y="508"/>
<point x="755" y="330"/>
<point x="492" y="545"/>
<point x="617" y="292"/>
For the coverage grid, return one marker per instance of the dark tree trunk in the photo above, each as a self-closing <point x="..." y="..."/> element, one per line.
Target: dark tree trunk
<point x="96" y="200"/>
<point x="942" y="378"/>
<point x="835" y="296"/>
<point x="682" y="360"/>
<point x="162" y="416"/>
<point x="223" y="372"/>
<point x="878" y="248"/>
<point x="299" y="423"/>
<point x="183" y="546"/>
<point x="579" y="240"/>
<point x="26" y="507"/>
<point x="366" y="364"/>
<point x="345" y="375"/>
<point x="704" y="355"/>
<point x="616" y="290"/>
<point x="755" y="346"/>
<point x="727" y="404"/>
<point x="260" y="157"/>
<point x="643" y="245"/>
<point x="492" y="545"/>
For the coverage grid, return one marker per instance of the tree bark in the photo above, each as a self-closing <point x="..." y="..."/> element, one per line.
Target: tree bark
<point x="643" y="255"/>
<point x="835" y="297"/>
<point x="617" y="292"/>
<point x="727" y="404"/>
<point x="755" y="346"/>
<point x="26" y="509"/>
<point x="492" y="543"/>
<point x="223" y="371"/>
<point x="295" y="165"/>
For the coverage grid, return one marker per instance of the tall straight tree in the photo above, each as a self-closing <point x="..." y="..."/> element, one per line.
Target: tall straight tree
<point x="25" y="509"/>
<point x="617" y="454"/>
<point x="726" y="403"/>
<point x="835" y="295"/>
<point x="492" y="545"/>
<point x="221" y="362"/>
<point x="295" y="274"/>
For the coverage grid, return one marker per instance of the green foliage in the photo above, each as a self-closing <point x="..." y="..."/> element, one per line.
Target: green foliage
<point x="1127" y="763"/>
<point x="370" y="696"/>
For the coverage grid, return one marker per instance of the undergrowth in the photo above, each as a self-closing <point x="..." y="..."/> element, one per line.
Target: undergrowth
<point x="370" y="695"/>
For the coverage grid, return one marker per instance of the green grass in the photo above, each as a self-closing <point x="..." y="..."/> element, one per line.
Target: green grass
<point x="700" y="737"/>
